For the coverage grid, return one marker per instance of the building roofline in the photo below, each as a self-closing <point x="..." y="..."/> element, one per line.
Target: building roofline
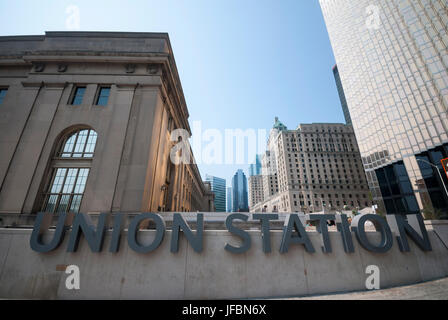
<point x="86" y="34"/>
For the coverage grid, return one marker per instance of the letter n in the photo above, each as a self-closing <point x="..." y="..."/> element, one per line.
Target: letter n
<point x="414" y="228"/>
<point x="94" y="237"/>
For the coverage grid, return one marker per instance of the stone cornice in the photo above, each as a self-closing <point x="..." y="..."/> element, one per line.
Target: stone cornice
<point x="95" y="58"/>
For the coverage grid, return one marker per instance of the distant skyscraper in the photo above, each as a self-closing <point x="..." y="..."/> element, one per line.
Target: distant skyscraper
<point x="392" y="59"/>
<point x="219" y="189"/>
<point x="229" y="199"/>
<point x="255" y="182"/>
<point x="348" y="120"/>
<point x="240" y="195"/>
<point x="255" y="190"/>
<point x="255" y="168"/>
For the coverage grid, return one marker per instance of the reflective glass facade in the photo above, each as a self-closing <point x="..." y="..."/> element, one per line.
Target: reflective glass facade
<point x="229" y="199"/>
<point x="392" y="59"/>
<point x="240" y="194"/>
<point x="255" y="168"/>
<point x="219" y="189"/>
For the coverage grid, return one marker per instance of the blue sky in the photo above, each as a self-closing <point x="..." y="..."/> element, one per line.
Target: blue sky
<point x="241" y="62"/>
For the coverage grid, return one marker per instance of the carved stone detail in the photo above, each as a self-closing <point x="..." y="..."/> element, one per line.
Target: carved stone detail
<point x="62" y="67"/>
<point x="39" y="67"/>
<point x="153" y="68"/>
<point x="130" y="68"/>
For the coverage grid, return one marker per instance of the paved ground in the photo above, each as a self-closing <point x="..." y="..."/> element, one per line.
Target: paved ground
<point x="432" y="290"/>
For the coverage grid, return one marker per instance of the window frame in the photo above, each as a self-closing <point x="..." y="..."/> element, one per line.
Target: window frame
<point x="68" y="163"/>
<point x="98" y="94"/>
<point x="6" y="89"/>
<point x="73" y="95"/>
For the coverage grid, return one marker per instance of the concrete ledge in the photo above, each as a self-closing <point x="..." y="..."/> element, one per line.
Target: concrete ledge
<point x="430" y="290"/>
<point x="212" y="274"/>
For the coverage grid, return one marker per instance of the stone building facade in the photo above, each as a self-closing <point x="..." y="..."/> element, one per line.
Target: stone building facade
<point x="85" y="125"/>
<point x="318" y="167"/>
<point x="256" y="194"/>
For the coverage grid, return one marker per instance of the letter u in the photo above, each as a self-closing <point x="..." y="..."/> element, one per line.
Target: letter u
<point x="41" y="225"/>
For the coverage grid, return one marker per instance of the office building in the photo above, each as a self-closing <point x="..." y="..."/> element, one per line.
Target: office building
<point x="392" y="60"/>
<point x="239" y="191"/>
<point x="229" y="199"/>
<point x="317" y="167"/>
<point x="256" y="193"/>
<point x="218" y="187"/>
<point x="255" y="168"/>
<point x="85" y="125"/>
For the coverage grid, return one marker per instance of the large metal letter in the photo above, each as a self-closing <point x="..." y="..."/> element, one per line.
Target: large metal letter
<point x="344" y="228"/>
<point x="116" y="232"/>
<point x="179" y="223"/>
<point x="94" y="237"/>
<point x="133" y="230"/>
<point x="358" y="225"/>
<point x="241" y="233"/>
<point x="43" y="221"/>
<point x="415" y="228"/>
<point x="293" y="222"/>
<point x="322" y="228"/>
<point x="265" y="218"/>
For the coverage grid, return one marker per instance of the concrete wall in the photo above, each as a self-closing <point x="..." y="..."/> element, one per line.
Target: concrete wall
<point x="212" y="274"/>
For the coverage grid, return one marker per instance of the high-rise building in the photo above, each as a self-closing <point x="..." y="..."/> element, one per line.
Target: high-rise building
<point x="85" y="126"/>
<point x="255" y="168"/>
<point x="392" y="59"/>
<point x="255" y="182"/>
<point x="268" y="161"/>
<point x="229" y="199"/>
<point x="269" y="175"/>
<point x="341" y="93"/>
<point x="256" y="194"/>
<point x="317" y="167"/>
<point x="218" y="186"/>
<point x="239" y="190"/>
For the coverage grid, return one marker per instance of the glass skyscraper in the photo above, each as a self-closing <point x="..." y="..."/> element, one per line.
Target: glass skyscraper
<point x="341" y="93"/>
<point x="255" y="168"/>
<point x="229" y="199"/>
<point x="219" y="189"/>
<point x="240" y="194"/>
<point x="392" y="60"/>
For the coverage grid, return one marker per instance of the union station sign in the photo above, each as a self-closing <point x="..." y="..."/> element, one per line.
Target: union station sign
<point x="395" y="228"/>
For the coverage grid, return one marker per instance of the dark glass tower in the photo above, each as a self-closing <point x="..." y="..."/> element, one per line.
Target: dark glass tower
<point x="240" y="195"/>
<point x="344" y="105"/>
<point x="219" y="189"/>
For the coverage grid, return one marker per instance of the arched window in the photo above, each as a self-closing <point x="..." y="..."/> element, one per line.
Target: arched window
<point x="70" y="169"/>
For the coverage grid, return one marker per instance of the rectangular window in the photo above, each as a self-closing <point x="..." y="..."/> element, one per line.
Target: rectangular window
<point x="2" y="94"/>
<point x="78" y="95"/>
<point x="103" y="96"/>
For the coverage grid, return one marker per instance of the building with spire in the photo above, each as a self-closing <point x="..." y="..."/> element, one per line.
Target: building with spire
<point x="316" y="167"/>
